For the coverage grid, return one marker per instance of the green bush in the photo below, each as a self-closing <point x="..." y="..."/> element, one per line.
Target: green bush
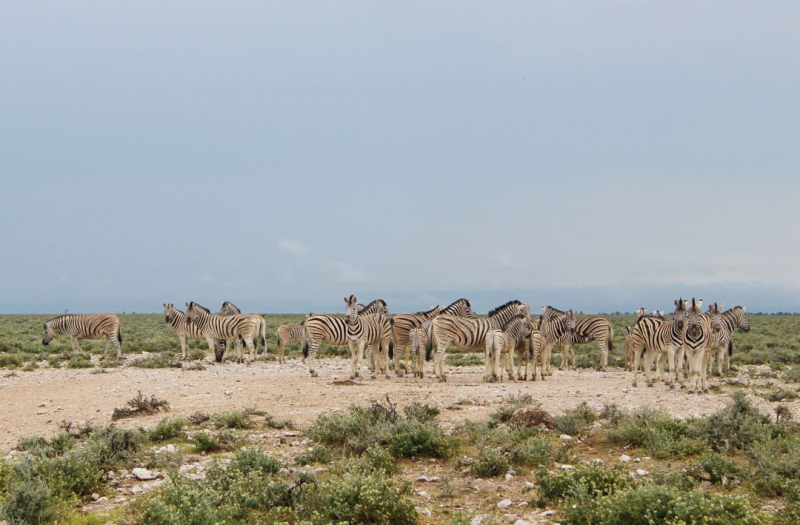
<point x="510" y="405"/>
<point x="28" y="500"/>
<point x="223" y="440"/>
<point x="719" y="467"/>
<point x="781" y="395"/>
<point x="490" y="464"/>
<point x="533" y="451"/>
<point x="736" y="427"/>
<point x="157" y="360"/>
<point x="574" y="421"/>
<point x="254" y="460"/>
<point x="649" y="504"/>
<point x="79" y="361"/>
<point x="320" y="454"/>
<point x="380" y="424"/>
<point x="235" y="419"/>
<point x="10" y="360"/>
<point x="580" y="485"/>
<point x="168" y="428"/>
<point x="777" y="465"/>
<point x="358" y="497"/>
<point x="656" y="431"/>
<point x="792" y="375"/>
<point x="277" y="423"/>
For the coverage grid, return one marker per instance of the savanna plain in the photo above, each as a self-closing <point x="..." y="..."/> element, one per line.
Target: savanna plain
<point x="151" y="438"/>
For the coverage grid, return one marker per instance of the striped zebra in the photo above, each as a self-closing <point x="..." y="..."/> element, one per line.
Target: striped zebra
<point x="402" y="324"/>
<point x="655" y="337"/>
<point x="557" y="330"/>
<point x="698" y="339"/>
<point x="723" y="345"/>
<point x="238" y="328"/>
<point x="529" y="352"/>
<point x="501" y="344"/>
<point x="418" y="339"/>
<point x="85" y="326"/>
<point x="628" y="338"/>
<point x="288" y="333"/>
<point x="469" y="334"/>
<point x="331" y="329"/>
<point x="184" y="331"/>
<point x="586" y="330"/>
<point x="228" y="308"/>
<point x="368" y="330"/>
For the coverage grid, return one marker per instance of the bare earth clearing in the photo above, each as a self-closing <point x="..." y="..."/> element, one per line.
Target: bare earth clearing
<point x="35" y="402"/>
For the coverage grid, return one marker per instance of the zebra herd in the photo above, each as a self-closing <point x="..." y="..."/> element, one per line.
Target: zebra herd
<point x="683" y="345"/>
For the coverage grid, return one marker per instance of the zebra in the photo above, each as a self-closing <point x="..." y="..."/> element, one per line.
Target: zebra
<point x="628" y="337"/>
<point x="184" y="331"/>
<point x="229" y="327"/>
<point x="588" y="329"/>
<point x="331" y="329"/>
<point x="731" y="320"/>
<point x="655" y="337"/>
<point x="372" y="330"/>
<point x="698" y="339"/>
<point x="557" y="330"/>
<point x="419" y="339"/>
<point x="402" y="324"/>
<point x="468" y="334"/>
<point x="501" y="345"/>
<point x="529" y="351"/>
<point x="85" y="326"/>
<point x="228" y="308"/>
<point x="288" y="333"/>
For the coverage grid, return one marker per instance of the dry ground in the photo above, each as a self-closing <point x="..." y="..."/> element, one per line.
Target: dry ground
<point x="33" y="403"/>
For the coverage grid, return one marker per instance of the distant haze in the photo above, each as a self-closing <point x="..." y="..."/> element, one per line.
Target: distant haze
<point x="281" y="155"/>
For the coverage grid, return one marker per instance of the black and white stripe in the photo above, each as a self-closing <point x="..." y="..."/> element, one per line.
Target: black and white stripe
<point x="402" y="324"/>
<point x="331" y="329"/>
<point x="177" y="319"/>
<point x="239" y="328"/>
<point x="469" y="334"/>
<point x="698" y="338"/>
<point x="657" y="338"/>
<point x="723" y="343"/>
<point x="85" y="326"/>
<point x="288" y="333"/>
<point x="501" y="344"/>
<point x="228" y="308"/>
<point x="368" y="330"/>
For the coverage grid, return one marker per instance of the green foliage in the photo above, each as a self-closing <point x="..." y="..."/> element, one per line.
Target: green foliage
<point x="510" y="405"/>
<point x="157" y="360"/>
<point x="28" y="500"/>
<point x="580" y="485"/>
<point x="719" y="467"/>
<point x="490" y="464"/>
<point x="649" y="504"/>
<point x="736" y="427"/>
<point x="358" y="497"/>
<point x="254" y="460"/>
<point x="234" y="419"/>
<point x="656" y="431"/>
<point x="359" y="428"/>
<point x="277" y="423"/>
<point x="575" y="421"/>
<point x="168" y="428"/>
<point x="781" y="394"/>
<point x="10" y="360"/>
<point x="79" y="361"/>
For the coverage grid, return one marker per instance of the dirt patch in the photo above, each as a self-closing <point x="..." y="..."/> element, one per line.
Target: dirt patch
<point x="35" y="402"/>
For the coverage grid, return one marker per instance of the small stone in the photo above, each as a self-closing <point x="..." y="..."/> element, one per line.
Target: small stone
<point x="548" y="513"/>
<point x="641" y="472"/>
<point x="624" y="458"/>
<point x="598" y="461"/>
<point x="509" y="477"/>
<point x="136" y="489"/>
<point x="567" y="467"/>
<point x="95" y="496"/>
<point x="565" y="437"/>
<point x="228" y="392"/>
<point x="142" y="474"/>
<point x="637" y="460"/>
<point x="424" y="511"/>
<point x="101" y="499"/>
<point x="504" y="504"/>
<point x="477" y="520"/>
<point x="529" y="485"/>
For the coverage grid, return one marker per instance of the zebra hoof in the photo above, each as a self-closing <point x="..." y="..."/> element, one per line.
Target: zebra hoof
<point x="650" y="385"/>
<point x="443" y="380"/>
<point x="372" y="377"/>
<point x="671" y="386"/>
<point x="705" y="391"/>
<point x="387" y="376"/>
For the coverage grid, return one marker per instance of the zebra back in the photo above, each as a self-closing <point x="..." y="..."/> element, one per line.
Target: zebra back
<point x="220" y="326"/>
<point x="228" y="308"/>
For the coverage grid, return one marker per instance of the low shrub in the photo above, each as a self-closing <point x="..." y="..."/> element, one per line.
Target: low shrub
<point x="736" y="427"/>
<point x="510" y="405"/>
<point x="168" y="428"/>
<point x="490" y="464"/>
<point x="10" y="360"/>
<point x="273" y="422"/>
<point x="223" y="440"/>
<point x="238" y="419"/>
<point x="574" y="421"/>
<point x="156" y="360"/>
<point x="656" y="431"/>
<point x="140" y="405"/>
<point x="649" y="503"/>
<point x="719" y="467"/>
<point x="580" y="485"/>
<point x="79" y="361"/>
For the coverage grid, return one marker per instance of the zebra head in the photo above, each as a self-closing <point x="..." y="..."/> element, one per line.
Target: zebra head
<point x="571" y="320"/>
<point x="49" y="333"/>
<point x="228" y="308"/>
<point x="741" y="319"/>
<point x="640" y="312"/>
<point x="194" y="311"/>
<point x="693" y="318"/>
<point x="169" y="311"/>
<point x="715" y="316"/>
<point x="680" y="316"/>
<point x="351" y="308"/>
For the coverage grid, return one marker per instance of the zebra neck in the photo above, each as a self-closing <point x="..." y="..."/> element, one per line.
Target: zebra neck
<point x="730" y="320"/>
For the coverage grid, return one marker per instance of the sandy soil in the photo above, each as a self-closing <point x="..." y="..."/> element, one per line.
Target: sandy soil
<point x="33" y="403"/>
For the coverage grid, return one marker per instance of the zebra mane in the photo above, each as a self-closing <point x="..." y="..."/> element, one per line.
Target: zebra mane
<point x="228" y="303"/>
<point x="206" y="310"/>
<point x="423" y="312"/>
<point x="556" y="310"/>
<point x="381" y="301"/>
<point x="58" y="318"/>
<point x="454" y="303"/>
<point x="513" y="302"/>
<point x="172" y="307"/>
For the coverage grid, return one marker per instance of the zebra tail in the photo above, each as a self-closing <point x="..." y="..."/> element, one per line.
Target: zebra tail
<point x="610" y="339"/>
<point x="278" y="337"/>
<point x="305" y="348"/>
<point x="391" y="349"/>
<point x="730" y="348"/>
<point x="119" y="334"/>
<point x="429" y="349"/>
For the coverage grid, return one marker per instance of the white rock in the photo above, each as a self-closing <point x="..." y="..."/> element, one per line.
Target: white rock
<point x="641" y="472"/>
<point x="598" y="461"/>
<point x="597" y="425"/>
<point x="422" y="493"/>
<point x="567" y="467"/>
<point x="143" y="474"/>
<point x="136" y="489"/>
<point x="529" y="485"/>
<point x="509" y="477"/>
<point x="428" y="479"/>
<point x="548" y="513"/>
<point x="95" y="496"/>
<point x="565" y="437"/>
<point x="624" y="458"/>
<point x="424" y="511"/>
<point x="504" y="504"/>
<point x="101" y="499"/>
<point x="477" y="520"/>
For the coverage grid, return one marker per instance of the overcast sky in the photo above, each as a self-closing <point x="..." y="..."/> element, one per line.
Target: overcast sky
<point x="284" y="154"/>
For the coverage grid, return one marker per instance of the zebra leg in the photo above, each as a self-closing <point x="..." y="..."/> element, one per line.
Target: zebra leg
<point x="182" y="339"/>
<point x="679" y="355"/>
<point x="313" y="348"/>
<point x="438" y="362"/>
<point x="353" y="359"/>
<point x="252" y="347"/>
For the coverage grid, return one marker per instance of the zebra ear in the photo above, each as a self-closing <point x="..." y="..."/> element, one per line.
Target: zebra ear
<point x="699" y="303"/>
<point x="721" y="307"/>
<point x="346" y="300"/>
<point x="188" y="305"/>
<point x="544" y="308"/>
<point x="744" y="308"/>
